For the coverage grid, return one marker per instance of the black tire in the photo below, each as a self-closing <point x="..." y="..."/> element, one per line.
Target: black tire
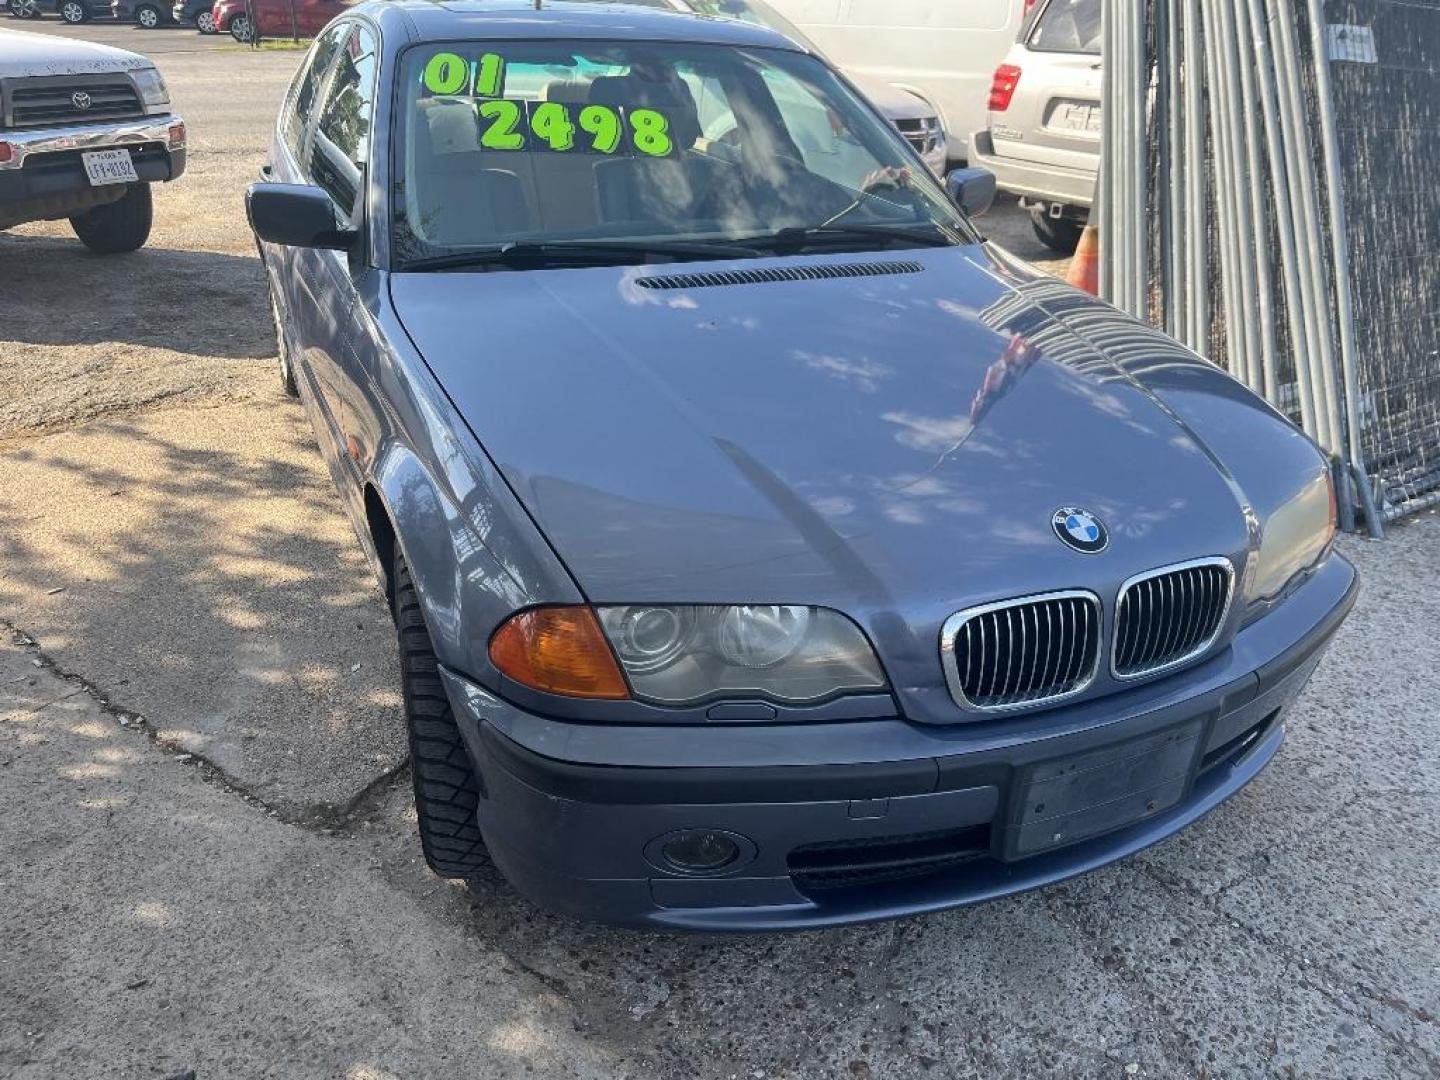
<point x="74" y="12"/>
<point x="119" y="226"/>
<point x="148" y="17"/>
<point x="287" y="367"/>
<point x="205" y="22"/>
<point x="446" y="790"/>
<point x="1060" y="235"/>
<point x="240" y="29"/>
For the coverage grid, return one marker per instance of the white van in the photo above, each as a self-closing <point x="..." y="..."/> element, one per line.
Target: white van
<point x="944" y="50"/>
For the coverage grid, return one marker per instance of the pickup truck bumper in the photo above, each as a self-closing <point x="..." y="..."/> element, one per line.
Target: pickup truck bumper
<point x="43" y="177"/>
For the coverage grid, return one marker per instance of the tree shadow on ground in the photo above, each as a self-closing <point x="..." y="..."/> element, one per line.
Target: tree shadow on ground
<point x="198" y="302"/>
<point x="204" y="574"/>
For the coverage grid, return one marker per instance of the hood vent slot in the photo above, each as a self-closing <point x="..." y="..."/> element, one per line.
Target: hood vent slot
<point x="764" y="275"/>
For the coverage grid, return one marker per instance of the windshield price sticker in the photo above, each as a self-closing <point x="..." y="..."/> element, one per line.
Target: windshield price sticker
<point x="509" y="124"/>
<point x="522" y="124"/>
<point x="451" y="74"/>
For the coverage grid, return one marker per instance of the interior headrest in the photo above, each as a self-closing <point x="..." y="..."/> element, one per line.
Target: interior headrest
<point x="671" y="97"/>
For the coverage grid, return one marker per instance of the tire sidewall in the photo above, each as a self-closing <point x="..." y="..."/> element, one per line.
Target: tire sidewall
<point x="282" y="350"/>
<point x="1059" y="235"/>
<point x="241" y="30"/>
<point x="118" y="227"/>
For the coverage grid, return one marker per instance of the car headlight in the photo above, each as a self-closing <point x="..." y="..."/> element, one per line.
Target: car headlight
<point x="677" y="655"/>
<point x="1292" y="539"/>
<point x="151" y="86"/>
<point x="683" y="654"/>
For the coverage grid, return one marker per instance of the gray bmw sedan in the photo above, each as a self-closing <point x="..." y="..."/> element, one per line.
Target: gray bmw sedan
<point x="767" y="550"/>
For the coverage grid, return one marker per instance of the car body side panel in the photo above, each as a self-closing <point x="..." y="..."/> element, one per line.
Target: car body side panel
<point x="472" y="549"/>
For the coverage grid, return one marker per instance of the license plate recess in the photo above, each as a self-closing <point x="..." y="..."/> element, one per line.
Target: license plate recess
<point x="1065" y="800"/>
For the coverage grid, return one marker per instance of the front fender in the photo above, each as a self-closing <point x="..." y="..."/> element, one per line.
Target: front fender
<point x="474" y="554"/>
<point x="452" y="542"/>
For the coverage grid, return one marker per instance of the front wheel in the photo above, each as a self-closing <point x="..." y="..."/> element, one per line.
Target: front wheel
<point x="147" y="17"/>
<point x="205" y="22"/>
<point x="1060" y="235"/>
<point x="116" y="227"/>
<point x="446" y="789"/>
<point x="23" y="9"/>
<point x="240" y="29"/>
<point x="74" y="12"/>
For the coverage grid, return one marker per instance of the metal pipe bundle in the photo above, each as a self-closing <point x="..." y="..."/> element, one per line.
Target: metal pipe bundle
<point x="1238" y="199"/>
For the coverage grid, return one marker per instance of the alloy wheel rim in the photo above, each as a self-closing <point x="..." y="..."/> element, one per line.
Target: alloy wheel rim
<point x="147" y="18"/>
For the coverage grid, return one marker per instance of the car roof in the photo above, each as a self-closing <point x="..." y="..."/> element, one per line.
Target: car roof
<point x="442" y="20"/>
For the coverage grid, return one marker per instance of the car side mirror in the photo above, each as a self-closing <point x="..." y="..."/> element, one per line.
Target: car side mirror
<point x="296" y="215"/>
<point x="972" y="190"/>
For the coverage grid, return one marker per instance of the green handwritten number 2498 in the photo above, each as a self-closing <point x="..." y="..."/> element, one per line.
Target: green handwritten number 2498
<point x="551" y="122"/>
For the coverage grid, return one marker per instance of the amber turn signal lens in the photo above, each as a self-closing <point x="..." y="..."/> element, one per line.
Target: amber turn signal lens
<point x="559" y="650"/>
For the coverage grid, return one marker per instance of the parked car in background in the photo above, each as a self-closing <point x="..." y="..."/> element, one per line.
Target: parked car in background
<point x="146" y="14"/>
<point x="276" y="18"/>
<point x="766" y="550"/>
<point x="84" y="131"/>
<point x="1042" y="139"/>
<point x="942" y="52"/>
<point x="231" y="17"/>
<point x="71" y="11"/>
<point x="199" y="13"/>
<point x="915" y="117"/>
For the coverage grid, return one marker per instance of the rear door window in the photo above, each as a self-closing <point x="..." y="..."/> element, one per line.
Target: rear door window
<point x="1068" y="26"/>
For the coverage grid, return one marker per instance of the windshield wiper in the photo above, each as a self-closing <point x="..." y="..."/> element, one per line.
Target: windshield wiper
<point x="584" y="252"/>
<point x="791" y="240"/>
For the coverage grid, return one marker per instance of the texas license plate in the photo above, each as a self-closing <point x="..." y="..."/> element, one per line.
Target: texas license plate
<point x="109" y="167"/>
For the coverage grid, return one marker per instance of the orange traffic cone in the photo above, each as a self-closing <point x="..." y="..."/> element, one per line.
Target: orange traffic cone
<point x="1085" y="266"/>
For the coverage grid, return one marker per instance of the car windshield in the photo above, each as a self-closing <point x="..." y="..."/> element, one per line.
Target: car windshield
<point x="659" y="149"/>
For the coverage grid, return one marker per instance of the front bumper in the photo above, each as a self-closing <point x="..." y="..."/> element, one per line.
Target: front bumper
<point x="44" y="176"/>
<point x="571" y="813"/>
<point x="1033" y="180"/>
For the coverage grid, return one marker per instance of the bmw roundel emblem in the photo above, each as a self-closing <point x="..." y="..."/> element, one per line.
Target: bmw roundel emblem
<point x="1080" y="529"/>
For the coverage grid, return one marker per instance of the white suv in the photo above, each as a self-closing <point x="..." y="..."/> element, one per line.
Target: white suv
<point x="1043" y="138"/>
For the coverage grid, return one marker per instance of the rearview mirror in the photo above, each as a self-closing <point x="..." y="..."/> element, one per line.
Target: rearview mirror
<point x="973" y="190"/>
<point x="296" y="215"/>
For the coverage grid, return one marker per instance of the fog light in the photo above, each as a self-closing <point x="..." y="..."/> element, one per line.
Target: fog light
<point x="700" y="852"/>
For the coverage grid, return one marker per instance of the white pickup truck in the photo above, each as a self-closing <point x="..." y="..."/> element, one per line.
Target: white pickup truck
<point x="84" y="131"/>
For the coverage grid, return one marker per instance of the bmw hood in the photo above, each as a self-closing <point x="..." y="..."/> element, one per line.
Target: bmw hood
<point x="892" y="439"/>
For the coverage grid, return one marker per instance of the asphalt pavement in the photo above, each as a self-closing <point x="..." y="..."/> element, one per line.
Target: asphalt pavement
<point x="207" y="853"/>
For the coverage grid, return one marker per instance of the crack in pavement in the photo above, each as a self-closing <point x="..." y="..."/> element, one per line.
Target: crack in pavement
<point x="325" y="818"/>
<point x="1308" y="967"/>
